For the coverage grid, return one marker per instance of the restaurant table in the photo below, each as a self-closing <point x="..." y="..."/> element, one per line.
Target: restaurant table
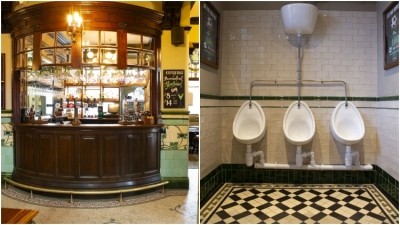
<point x="20" y="216"/>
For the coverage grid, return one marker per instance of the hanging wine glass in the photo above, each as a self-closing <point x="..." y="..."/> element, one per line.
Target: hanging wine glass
<point x="82" y="76"/>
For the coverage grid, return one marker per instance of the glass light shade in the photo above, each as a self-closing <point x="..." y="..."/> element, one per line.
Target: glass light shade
<point x="299" y="18"/>
<point x="90" y="54"/>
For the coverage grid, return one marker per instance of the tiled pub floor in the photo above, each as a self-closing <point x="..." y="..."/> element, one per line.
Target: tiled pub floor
<point x="179" y="208"/>
<point x="290" y="204"/>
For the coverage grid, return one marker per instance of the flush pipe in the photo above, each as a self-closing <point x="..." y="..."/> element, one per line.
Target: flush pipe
<point x="299" y="58"/>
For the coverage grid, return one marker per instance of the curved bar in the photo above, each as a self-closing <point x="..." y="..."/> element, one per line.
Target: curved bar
<point x="89" y="156"/>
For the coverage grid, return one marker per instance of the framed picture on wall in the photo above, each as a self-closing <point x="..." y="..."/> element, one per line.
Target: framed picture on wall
<point x="209" y="35"/>
<point x="391" y="35"/>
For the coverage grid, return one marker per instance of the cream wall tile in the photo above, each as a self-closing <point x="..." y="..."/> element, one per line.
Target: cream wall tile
<point x="387" y="140"/>
<point x="342" y="42"/>
<point x="210" y="138"/>
<point x="343" y="47"/>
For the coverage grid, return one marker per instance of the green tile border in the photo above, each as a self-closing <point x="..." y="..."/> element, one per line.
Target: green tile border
<point x="175" y="112"/>
<point x="387" y="184"/>
<point x="6" y="111"/>
<point x="388" y="98"/>
<point x="207" y="96"/>
<point x="240" y="173"/>
<point x="3" y="175"/>
<point x="306" y="98"/>
<point x="176" y="182"/>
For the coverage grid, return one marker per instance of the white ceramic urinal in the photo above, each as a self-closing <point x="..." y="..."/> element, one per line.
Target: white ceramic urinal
<point x="249" y="128"/>
<point x="347" y="127"/>
<point x="299" y="128"/>
<point x="249" y="124"/>
<point x="299" y="124"/>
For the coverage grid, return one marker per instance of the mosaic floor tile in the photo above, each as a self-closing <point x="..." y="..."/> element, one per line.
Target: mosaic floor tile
<point x="295" y="204"/>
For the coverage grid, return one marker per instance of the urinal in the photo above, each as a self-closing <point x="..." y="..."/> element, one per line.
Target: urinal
<point x="249" y="128"/>
<point x="347" y="127"/>
<point x="299" y="128"/>
<point x="249" y="124"/>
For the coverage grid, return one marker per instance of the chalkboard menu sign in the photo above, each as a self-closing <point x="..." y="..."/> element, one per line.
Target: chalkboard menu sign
<point x="209" y="35"/>
<point x="391" y="32"/>
<point x="174" y="89"/>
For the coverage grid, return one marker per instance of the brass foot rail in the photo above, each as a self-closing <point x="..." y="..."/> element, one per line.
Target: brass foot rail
<point x="87" y="192"/>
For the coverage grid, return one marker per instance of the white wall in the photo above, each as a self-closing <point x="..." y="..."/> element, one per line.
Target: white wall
<point x="388" y="112"/>
<point x="254" y="46"/>
<point x="343" y="47"/>
<point x="210" y="113"/>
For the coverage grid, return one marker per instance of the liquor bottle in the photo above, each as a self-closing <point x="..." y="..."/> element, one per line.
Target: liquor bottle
<point x="100" y="112"/>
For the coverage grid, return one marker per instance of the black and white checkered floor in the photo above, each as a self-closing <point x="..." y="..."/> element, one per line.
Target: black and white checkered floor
<point x="291" y="204"/>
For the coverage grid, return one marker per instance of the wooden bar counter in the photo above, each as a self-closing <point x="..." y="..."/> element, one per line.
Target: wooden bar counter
<point x="88" y="156"/>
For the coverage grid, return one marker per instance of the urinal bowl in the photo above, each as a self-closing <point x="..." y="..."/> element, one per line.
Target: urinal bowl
<point x="299" y="124"/>
<point x="249" y="125"/>
<point x="347" y="125"/>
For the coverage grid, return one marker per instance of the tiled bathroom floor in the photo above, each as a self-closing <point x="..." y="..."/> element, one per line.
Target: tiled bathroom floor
<point x="295" y="204"/>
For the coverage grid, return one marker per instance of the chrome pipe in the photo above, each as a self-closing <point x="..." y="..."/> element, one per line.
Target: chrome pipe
<point x="298" y="68"/>
<point x="255" y="83"/>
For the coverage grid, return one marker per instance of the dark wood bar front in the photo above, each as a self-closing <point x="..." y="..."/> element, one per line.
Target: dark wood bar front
<point x="89" y="156"/>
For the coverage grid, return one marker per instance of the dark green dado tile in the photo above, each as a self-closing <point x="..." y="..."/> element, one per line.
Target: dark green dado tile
<point x="306" y="98"/>
<point x="258" y="98"/>
<point x="248" y="97"/>
<point x="358" y="99"/>
<point x="176" y="183"/>
<point x="371" y="99"/>
<point x="388" y="98"/>
<point x="321" y="98"/>
<point x="207" y="96"/>
<point x="270" y="98"/>
<point x="283" y="98"/>
<point x="229" y="98"/>
<point x="334" y="98"/>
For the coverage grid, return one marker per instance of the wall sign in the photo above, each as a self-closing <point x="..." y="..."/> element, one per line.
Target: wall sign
<point x="174" y="89"/>
<point x="209" y="35"/>
<point x="391" y="35"/>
